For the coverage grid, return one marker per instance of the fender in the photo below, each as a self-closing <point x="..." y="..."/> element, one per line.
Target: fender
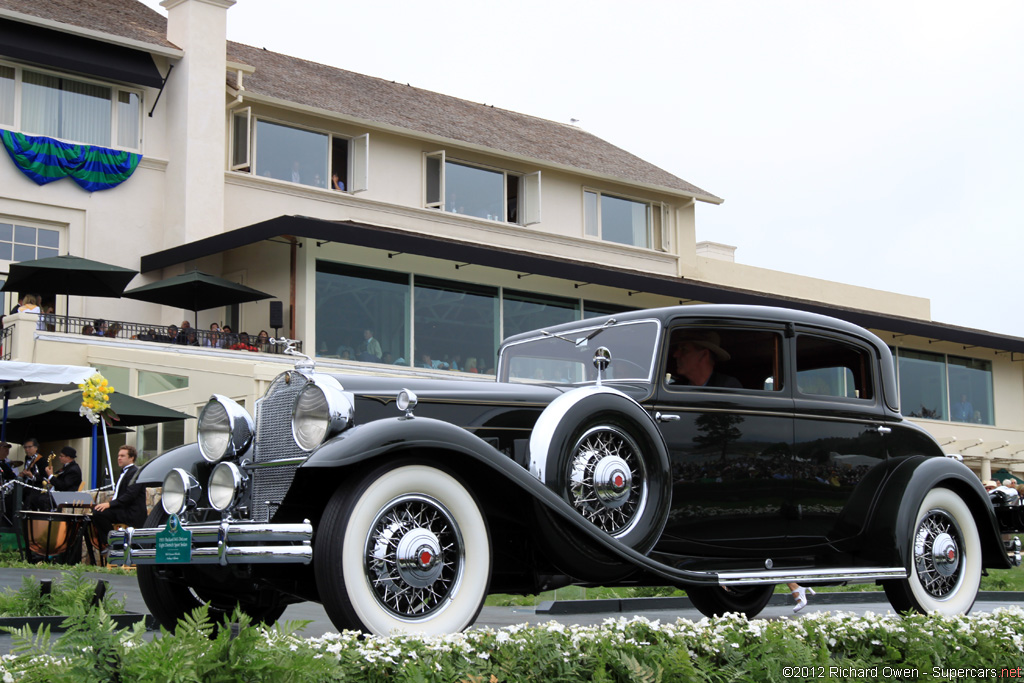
<point x="400" y="435"/>
<point x="892" y="523"/>
<point x="186" y="457"/>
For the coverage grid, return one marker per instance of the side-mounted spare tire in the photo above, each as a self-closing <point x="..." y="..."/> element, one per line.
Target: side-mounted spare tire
<point x="601" y="452"/>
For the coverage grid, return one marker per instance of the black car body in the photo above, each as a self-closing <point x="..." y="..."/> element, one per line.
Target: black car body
<point x="399" y="503"/>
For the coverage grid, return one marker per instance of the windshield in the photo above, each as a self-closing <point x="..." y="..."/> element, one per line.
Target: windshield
<point x="558" y="359"/>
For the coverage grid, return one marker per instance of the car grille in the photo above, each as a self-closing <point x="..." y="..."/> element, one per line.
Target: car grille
<point x="274" y="443"/>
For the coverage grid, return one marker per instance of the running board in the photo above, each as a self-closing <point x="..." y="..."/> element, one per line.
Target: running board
<point x="811" y="576"/>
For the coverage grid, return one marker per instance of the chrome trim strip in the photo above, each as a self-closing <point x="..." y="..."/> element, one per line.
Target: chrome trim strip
<point x="283" y="462"/>
<point x="811" y="576"/>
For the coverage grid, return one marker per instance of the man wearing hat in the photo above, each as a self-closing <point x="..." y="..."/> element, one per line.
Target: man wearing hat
<point x="6" y="469"/>
<point x="696" y="352"/>
<point x="70" y="476"/>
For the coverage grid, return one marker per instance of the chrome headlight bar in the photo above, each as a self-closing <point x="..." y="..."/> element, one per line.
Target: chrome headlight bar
<point x="322" y="409"/>
<point x="225" y="429"/>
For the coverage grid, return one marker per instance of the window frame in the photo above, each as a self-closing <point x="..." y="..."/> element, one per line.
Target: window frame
<point x="358" y="157"/>
<point x="656" y="215"/>
<point x="17" y="123"/>
<point x="528" y="209"/>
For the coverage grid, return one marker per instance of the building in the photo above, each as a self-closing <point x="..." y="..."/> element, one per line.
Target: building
<point x="438" y="224"/>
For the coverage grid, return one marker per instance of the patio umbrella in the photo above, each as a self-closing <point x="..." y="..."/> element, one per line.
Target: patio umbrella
<point x="61" y="412"/>
<point x="68" y="275"/>
<point x="196" y="291"/>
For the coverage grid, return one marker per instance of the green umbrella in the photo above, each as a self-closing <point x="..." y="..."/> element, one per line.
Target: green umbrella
<point x="61" y="412"/>
<point x="196" y="291"/>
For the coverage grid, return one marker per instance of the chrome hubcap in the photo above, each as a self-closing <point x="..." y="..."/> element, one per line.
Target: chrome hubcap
<point x="414" y="556"/>
<point x="607" y="482"/>
<point x="937" y="554"/>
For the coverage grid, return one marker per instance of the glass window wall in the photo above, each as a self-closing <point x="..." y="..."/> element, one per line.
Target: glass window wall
<point x="350" y="301"/>
<point x="291" y="154"/>
<point x="923" y="384"/>
<point x="456" y="325"/>
<point x="524" y="311"/>
<point x="970" y="390"/>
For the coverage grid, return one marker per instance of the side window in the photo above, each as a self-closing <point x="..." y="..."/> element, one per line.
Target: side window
<point x="725" y="357"/>
<point x="829" y="367"/>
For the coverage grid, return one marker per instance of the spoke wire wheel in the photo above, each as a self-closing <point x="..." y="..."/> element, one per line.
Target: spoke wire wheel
<point x="945" y="556"/>
<point x="415" y="554"/>
<point x="607" y="479"/>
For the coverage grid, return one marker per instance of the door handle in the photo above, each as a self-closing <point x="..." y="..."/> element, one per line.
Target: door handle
<point x="663" y="417"/>
<point x="881" y="429"/>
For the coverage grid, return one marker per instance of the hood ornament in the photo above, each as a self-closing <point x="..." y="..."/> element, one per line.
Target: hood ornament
<point x="302" y="361"/>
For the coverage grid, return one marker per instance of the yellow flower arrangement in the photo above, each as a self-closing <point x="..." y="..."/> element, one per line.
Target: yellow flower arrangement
<point x="96" y="400"/>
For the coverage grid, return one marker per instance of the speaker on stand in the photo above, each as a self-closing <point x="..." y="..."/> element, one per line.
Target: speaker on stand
<point x="276" y="317"/>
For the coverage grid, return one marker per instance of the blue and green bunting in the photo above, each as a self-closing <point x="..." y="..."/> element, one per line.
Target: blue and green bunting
<point x="45" y="160"/>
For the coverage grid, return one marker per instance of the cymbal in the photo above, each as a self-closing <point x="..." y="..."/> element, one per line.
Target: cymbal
<point x="17" y="463"/>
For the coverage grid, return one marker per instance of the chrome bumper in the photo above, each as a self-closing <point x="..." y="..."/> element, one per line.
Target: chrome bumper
<point x="224" y="543"/>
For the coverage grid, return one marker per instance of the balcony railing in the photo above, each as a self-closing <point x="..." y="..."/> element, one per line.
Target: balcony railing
<point x="5" y="343"/>
<point x="171" y="334"/>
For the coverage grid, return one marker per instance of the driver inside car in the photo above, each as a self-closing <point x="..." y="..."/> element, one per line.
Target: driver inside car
<point x="696" y="352"/>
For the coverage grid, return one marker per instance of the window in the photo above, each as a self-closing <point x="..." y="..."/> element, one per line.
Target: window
<point x="828" y="367"/>
<point x="351" y="300"/>
<point x="938" y="387"/>
<point x="454" y="322"/>
<point x="621" y="220"/>
<point x="155" y="382"/>
<point x="970" y="390"/>
<point x="923" y="384"/>
<point x="26" y="243"/>
<point x="70" y="109"/>
<point x="119" y="378"/>
<point x="492" y="194"/>
<point x="524" y="311"/>
<point x="299" y="155"/>
<point x="740" y="358"/>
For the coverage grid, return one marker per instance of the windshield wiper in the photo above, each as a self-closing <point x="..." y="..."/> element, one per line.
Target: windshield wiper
<point x="582" y="341"/>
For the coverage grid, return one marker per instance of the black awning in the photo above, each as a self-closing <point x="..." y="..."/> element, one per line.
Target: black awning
<point x="375" y="237"/>
<point x="76" y="53"/>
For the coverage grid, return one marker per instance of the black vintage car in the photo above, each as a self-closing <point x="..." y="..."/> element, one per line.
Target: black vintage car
<point x="721" y="449"/>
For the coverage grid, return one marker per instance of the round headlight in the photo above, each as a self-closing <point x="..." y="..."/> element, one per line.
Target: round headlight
<point x="225" y="429"/>
<point x="322" y="409"/>
<point x="180" y="489"/>
<point x="225" y="483"/>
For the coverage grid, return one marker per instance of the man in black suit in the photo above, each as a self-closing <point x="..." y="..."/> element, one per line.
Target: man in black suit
<point x="70" y="477"/>
<point x="6" y="474"/>
<point x="128" y="506"/>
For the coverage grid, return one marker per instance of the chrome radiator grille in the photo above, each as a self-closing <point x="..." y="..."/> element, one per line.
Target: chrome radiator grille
<point x="273" y="443"/>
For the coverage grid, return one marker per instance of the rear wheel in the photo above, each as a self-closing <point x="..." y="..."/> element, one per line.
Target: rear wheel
<point x="714" y="601"/>
<point x="945" y="559"/>
<point x="169" y="596"/>
<point x="404" y="550"/>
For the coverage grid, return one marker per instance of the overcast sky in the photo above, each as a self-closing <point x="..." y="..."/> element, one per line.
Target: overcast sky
<point x="872" y="143"/>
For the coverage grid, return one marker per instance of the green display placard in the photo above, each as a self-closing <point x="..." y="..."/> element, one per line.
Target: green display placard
<point x="174" y="543"/>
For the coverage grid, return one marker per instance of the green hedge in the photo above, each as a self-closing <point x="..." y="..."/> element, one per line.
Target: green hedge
<point x="825" y="646"/>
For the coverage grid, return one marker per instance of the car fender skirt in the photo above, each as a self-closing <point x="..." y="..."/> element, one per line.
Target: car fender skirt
<point x="911" y="480"/>
<point x="403" y="435"/>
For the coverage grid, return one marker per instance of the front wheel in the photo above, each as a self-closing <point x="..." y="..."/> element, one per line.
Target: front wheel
<point x="945" y="559"/>
<point x="714" y="601"/>
<point x="406" y="549"/>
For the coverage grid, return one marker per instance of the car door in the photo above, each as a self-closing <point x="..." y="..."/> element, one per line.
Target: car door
<point x="840" y="436"/>
<point x="730" y="446"/>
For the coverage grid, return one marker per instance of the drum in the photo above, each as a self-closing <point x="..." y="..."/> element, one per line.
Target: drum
<point x="53" y="536"/>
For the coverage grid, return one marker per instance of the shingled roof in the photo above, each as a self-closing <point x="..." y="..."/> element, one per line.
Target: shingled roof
<point x="396" y="104"/>
<point x="301" y="82"/>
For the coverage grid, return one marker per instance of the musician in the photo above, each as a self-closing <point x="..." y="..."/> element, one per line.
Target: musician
<point x="6" y="469"/>
<point x="70" y="477"/>
<point x="128" y="506"/>
<point x="32" y="474"/>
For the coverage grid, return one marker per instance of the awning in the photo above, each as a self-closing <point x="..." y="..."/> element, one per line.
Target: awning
<point x="77" y="53"/>
<point x="390" y="239"/>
